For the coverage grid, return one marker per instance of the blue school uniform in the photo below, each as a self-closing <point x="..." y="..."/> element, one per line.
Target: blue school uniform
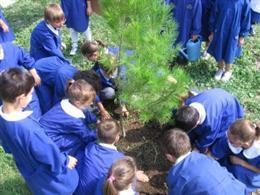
<point x="37" y="158"/>
<point x="94" y="165"/>
<point x="76" y="14"/>
<point x="187" y="14"/>
<point x="222" y="149"/>
<point x="15" y="56"/>
<point x="54" y="73"/>
<point x="206" y="9"/>
<point x="229" y="20"/>
<point x="44" y="42"/>
<point x="65" y="125"/>
<point x="6" y="36"/>
<point x="198" y="174"/>
<point x="221" y="108"/>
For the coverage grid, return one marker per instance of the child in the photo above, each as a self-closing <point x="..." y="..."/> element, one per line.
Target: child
<point x="187" y="13"/>
<point x="77" y="14"/>
<point x="121" y="178"/>
<point x="55" y="72"/>
<point x="13" y="56"/>
<point x="93" y="79"/>
<point x="64" y="123"/>
<point x="98" y="157"/>
<point x="6" y="33"/>
<point x="207" y="116"/>
<point x="45" y="170"/>
<point x="229" y="25"/>
<point x="46" y="36"/>
<point x="239" y="151"/>
<point x="194" y="173"/>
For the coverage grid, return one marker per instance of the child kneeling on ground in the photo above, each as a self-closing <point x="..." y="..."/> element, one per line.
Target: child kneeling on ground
<point x="45" y="170"/>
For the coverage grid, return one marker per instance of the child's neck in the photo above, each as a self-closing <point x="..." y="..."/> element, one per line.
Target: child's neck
<point x="10" y="108"/>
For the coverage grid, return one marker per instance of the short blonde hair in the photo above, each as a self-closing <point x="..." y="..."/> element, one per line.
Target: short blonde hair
<point x="53" y="12"/>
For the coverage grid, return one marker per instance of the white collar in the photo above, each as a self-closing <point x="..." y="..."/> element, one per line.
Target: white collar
<point x="200" y="108"/>
<point x="15" y="116"/>
<point x="253" y="151"/>
<point x="55" y="31"/>
<point x="2" y="53"/>
<point x="111" y="146"/>
<point x="71" y="109"/>
<point x="235" y="150"/>
<point x="129" y="191"/>
<point x="255" y="5"/>
<point x="181" y="158"/>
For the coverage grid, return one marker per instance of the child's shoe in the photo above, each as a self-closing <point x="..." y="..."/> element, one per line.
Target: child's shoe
<point x="226" y="77"/>
<point x="74" y="49"/>
<point x="219" y="74"/>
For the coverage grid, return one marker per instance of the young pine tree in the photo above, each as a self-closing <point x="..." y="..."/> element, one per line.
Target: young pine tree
<point x="146" y="28"/>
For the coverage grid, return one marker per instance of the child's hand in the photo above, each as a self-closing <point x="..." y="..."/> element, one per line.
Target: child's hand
<point x="241" y="41"/>
<point x="211" y="36"/>
<point x="237" y="161"/>
<point x="194" y="37"/>
<point x="72" y="162"/>
<point x="36" y="77"/>
<point x="89" y="8"/>
<point x="140" y="176"/>
<point x="105" y="115"/>
<point x="4" y="26"/>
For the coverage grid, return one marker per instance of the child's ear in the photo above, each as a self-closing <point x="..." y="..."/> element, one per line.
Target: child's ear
<point x="170" y="158"/>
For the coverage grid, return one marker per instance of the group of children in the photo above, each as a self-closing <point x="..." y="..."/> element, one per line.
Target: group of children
<point x="46" y="122"/>
<point x="222" y="24"/>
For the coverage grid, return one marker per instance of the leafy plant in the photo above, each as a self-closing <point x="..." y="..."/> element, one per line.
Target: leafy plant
<point x="146" y="30"/>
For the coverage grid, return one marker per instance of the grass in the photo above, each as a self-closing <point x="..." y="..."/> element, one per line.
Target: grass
<point x="25" y="14"/>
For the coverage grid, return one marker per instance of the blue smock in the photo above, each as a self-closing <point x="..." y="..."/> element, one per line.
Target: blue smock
<point x="6" y="36"/>
<point x="198" y="174"/>
<point x="222" y="109"/>
<point x="70" y="133"/>
<point x="94" y="165"/>
<point x="45" y="43"/>
<point x="229" y="20"/>
<point x="76" y="14"/>
<point x="187" y="14"/>
<point x="221" y="150"/>
<point x="14" y="57"/>
<point x="54" y="72"/>
<point x="37" y="158"/>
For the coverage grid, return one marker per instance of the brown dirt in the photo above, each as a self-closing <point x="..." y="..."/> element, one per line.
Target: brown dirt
<point x="142" y="143"/>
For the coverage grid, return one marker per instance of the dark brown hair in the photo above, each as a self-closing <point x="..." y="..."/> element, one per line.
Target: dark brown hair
<point x="244" y="130"/>
<point x="186" y="118"/>
<point x="107" y="131"/>
<point x="79" y="91"/>
<point x="120" y="176"/>
<point x="175" y="142"/>
<point x="53" y="12"/>
<point x="15" y="82"/>
<point x="88" y="48"/>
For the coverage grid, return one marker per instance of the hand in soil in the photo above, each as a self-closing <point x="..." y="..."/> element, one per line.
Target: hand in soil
<point x="105" y="115"/>
<point x="140" y="176"/>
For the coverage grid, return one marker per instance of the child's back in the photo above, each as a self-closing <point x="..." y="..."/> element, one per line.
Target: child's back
<point x="67" y="127"/>
<point x="199" y="174"/>
<point x="38" y="159"/>
<point x="95" y="164"/>
<point x="5" y="36"/>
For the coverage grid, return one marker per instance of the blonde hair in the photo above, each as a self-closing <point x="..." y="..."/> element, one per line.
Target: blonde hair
<point x="53" y="12"/>
<point x="80" y="91"/>
<point x="120" y="177"/>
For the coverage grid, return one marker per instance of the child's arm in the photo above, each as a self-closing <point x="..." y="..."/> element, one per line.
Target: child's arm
<point x="140" y="176"/>
<point x="104" y="113"/>
<point x="36" y="77"/>
<point x="212" y="20"/>
<point x="238" y="161"/>
<point x="89" y="8"/>
<point x="4" y="26"/>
